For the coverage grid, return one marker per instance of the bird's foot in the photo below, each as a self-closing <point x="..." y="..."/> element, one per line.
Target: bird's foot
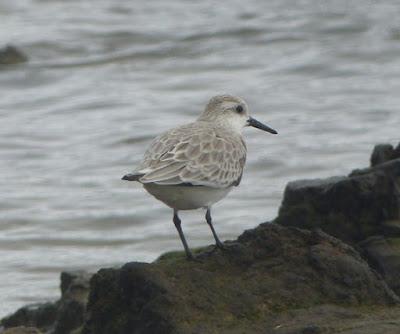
<point x="229" y="246"/>
<point x="219" y="245"/>
<point x="189" y="256"/>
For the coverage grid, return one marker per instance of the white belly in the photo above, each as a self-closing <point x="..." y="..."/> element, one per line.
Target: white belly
<point x="186" y="197"/>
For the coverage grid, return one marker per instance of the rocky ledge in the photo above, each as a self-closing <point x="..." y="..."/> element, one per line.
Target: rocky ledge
<point x="329" y="263"/>
<point x="362" y="209"/>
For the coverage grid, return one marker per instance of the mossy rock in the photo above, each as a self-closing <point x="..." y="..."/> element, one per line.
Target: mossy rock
<point x="268" y="271"/>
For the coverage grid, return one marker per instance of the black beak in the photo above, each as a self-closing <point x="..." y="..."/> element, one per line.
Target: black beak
<point x="256" y="124"/>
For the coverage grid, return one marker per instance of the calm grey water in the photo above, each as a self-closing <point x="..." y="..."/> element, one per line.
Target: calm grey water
<point x="105" y="77"/>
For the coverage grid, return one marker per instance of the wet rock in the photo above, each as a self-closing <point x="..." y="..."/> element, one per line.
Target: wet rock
<point x="270" y="269"/>
<point x="351" y="208"/>
<point x="62" y="316"/>
<point x="10" y="55"/>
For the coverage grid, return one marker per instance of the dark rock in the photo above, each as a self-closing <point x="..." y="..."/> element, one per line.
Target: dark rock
<point x="10" y="55"/>
<point x="329" y="319"/>
<point x="37" y="315"/>
<point x="384" y="255"/>
<point x="351" y="208"/>
<point x="391" y="228"/>
<point x="354" y="208"/>
<point x="72" y="305"/>
<point x="312" y="329"/>
<point x="270" y="269"/>
<point x="62" y="316"/>
<point x="383" y="153"/>
<point x="22" y="330"/>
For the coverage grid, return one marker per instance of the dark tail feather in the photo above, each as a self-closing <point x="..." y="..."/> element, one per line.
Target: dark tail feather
<point x="132" y="177"/>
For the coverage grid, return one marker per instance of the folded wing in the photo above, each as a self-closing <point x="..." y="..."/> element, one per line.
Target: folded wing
<point x="194" y="155"/>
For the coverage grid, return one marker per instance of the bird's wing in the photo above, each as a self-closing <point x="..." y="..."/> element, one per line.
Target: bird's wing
<point x="194" y="155"/>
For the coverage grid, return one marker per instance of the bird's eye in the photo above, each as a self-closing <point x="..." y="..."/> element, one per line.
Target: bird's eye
<point x="239" y="109"/>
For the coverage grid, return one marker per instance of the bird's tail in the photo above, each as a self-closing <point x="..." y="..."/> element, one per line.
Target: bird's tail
<point x="132" y="176"/>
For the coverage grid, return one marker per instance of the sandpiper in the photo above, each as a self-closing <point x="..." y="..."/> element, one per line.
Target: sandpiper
<point x="195" y="165"/>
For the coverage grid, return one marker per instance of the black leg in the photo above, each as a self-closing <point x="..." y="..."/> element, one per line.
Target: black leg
<point x="177" y="223"/>
<point x="209" y="222"/>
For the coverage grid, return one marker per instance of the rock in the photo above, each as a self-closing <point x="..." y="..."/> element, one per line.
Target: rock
<point x="269" y="270"/>
<point x="10" y="55"/>
<point x="350" y="208"/>
<point x="391" y="228"/>
<point x="74" y="295"/>
<point x="329" y="319"/>
<point x="383" y="153"/>
<point x="22" y="330"/>
<point x="62" y="316"/>
<point x="312" y="329"/>
<point x="384" y="255"/>
<point x="356" y="209"/>
<point x="36" y="315"/>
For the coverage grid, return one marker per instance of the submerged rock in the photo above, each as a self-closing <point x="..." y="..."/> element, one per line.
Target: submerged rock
<point x="11" y="55"/>
<point x="269" y="270"/>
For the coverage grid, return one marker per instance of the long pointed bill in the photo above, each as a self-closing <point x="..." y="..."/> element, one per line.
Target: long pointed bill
<point x="256" y="124"/>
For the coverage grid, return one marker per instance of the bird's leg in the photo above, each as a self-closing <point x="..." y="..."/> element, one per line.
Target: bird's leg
<point x="177" y="223"/>
<point x="209" y="222"/>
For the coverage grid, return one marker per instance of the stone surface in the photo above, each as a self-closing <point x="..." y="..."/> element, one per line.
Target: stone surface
<point x="74" y="295"/>
<point x="383" y="153"/>
<point x="359" y="209"/>
<point x="329" y="319"/>
<point x="384" y="256"/>
<point x="351" y="208"/>
<point x="35" y="315"/>
<point x="269" y="270"/>
<point x="22" y="330"/>
<point x="391" y="228"/>
<point x="10" y="55"/>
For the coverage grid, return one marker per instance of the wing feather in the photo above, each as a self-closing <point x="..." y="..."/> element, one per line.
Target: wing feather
<point x="195" y="154"/>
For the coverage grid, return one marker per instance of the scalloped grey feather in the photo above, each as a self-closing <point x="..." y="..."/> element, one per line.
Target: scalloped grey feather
<point x="195" y="154"/>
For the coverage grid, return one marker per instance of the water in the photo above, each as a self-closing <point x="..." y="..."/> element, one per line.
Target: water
<point x="105" y="77"/>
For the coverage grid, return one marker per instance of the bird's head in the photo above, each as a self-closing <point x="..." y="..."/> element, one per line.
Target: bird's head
<point x="232" y="112"/>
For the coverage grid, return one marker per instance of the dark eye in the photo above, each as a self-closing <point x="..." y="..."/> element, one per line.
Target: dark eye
<point x="239" y="109"/>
